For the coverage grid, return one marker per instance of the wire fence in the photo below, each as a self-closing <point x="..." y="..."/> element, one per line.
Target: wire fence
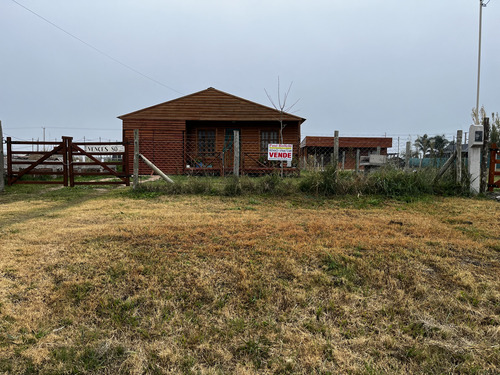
<point x="204" y="155"/>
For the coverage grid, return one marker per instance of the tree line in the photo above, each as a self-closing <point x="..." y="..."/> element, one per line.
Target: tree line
<point x="436" y="146"/>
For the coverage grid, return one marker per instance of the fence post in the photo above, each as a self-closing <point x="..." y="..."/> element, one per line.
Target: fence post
<point x="458" y="165"/>
<point x="408" y="155"/>
<point x="71" y="174"/>
<point x="493" y="166"/>
<point x="125" y="166"/>
<point x="2" y="167"/>
<point x="484" y="156"/>
<point x="135" y="183"/>
<point x="236" y="149"/>
<point x="343" y="160"/>
<point x="66" y="160"/>
<point x="9" y="160"/>
<point x="358" y="152"/>
<point x="336" y="149"/>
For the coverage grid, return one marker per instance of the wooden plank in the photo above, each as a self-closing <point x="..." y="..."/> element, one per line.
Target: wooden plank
<point x="40" y="182"/>
<point x="98" y="182"/>
<point x="38" y="172"/>
<point x="41" y="160"/>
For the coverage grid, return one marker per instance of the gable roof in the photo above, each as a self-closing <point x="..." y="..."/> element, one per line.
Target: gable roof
<point x="210" y="105"/>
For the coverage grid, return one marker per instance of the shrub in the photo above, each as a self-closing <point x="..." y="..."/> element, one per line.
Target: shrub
<point x="320" y="183"/>
<point x="387" y="182"/>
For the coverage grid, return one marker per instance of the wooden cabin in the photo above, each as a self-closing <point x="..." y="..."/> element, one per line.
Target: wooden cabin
<point x="320" y="149"/>
<point x="194" y="134"/>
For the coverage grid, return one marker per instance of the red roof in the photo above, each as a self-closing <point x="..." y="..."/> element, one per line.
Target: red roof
<point x="346" y="142"/>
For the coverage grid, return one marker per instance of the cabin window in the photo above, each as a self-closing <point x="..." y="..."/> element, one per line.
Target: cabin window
<point x="267" y="137"/>
<point x="206" y="142"/>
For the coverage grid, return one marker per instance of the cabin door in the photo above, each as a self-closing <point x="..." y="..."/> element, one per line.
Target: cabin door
<point x="228" y="158"/>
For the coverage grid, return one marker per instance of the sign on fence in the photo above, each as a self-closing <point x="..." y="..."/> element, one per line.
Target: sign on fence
<point x="104" y="148"/>
<point x="280" y="152"/>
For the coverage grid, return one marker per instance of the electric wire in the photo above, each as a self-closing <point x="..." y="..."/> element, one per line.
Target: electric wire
<point x="96" y="49"/>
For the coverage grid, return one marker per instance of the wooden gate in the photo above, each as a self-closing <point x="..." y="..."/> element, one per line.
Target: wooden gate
<point x="64" y="161"/>
<point x="494" y="171"/>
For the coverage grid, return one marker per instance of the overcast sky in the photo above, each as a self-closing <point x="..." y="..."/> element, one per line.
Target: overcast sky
<point x="363" y="67"/>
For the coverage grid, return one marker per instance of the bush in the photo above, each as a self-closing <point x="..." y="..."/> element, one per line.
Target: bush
<point x="387" y="182"/>
<point x="320" y="183"/>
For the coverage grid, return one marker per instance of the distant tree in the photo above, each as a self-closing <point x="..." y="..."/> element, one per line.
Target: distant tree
<point x="495" y="129"/>
<point x="439" y="143"/>
<point x="495" y="123"/>
<point x="478" y="117"/>
<point x="423" y="144"/>
<point x="281" y="106"/>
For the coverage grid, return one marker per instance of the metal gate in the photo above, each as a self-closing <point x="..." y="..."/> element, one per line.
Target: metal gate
<point x="494" y="171"/>
<point x="62" y="162"/>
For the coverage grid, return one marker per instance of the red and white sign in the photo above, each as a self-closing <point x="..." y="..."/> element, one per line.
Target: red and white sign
<point x="279" y="152"/>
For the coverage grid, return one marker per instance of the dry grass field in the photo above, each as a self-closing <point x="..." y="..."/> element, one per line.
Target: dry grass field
<point x="97" y="281"/>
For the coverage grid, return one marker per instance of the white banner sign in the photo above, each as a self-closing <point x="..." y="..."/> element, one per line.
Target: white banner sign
<point x="105" y="148"/>
<point x="280" y="152"/>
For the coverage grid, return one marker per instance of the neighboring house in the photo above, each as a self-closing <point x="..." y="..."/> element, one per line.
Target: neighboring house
<point x="320" y="149"/>
<point x="450" y="149"/>
<point x="194" y="134"/>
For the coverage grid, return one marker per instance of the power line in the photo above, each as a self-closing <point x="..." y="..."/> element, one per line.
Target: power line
<point x="96" y="49"/>
<point x="64" y="128"/>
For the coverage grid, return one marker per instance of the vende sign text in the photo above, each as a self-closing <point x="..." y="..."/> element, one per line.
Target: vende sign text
<point x="280" y="152"/>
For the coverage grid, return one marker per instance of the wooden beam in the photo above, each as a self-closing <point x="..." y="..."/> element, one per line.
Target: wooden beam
<point x="445" y="166"/>
<point x="156" y="169"/>
<point x="483" y="184"/>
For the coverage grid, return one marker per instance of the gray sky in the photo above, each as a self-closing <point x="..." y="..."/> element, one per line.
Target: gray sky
<point x="363" y="67"/>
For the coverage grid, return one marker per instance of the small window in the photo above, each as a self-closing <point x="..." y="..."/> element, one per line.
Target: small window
<point x="206" y="142"/>
<point x="267" y="137"/>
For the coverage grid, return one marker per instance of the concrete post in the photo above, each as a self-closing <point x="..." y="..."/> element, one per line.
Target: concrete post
<point x="458" y="163"/>
<point x="408" y="155"/>
<point x="135" y="182"/>
<point x="475" y="143"/>
<point x="336" y="149"/>
<point x="358" y="154"/>
<point x="236" y="149"/>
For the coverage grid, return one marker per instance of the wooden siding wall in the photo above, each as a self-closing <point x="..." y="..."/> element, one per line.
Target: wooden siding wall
<point x="250" y="133"/>
<point x="161" y="141"/>
<point x="164" y="141"/>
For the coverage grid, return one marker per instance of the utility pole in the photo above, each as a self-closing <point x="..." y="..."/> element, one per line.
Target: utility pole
<point x="481" y="5"/>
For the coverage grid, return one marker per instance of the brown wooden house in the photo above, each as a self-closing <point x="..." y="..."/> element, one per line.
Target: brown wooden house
<point x="320" y="149"/>
<point x="194" y="134"/>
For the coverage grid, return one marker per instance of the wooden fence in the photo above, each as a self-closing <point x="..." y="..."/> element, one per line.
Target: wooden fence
<point x="493" y="172"/>
<point x="64" y="161"/>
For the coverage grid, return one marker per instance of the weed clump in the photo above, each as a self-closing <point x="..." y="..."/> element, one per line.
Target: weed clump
<point x="386" y="182"/>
